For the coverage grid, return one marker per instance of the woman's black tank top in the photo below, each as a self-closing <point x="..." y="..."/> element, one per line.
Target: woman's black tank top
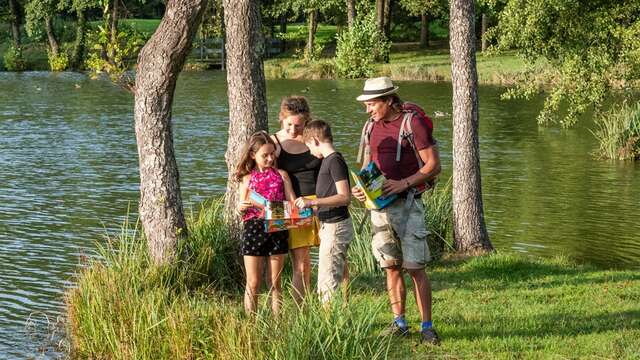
<point x="302" y="169"/>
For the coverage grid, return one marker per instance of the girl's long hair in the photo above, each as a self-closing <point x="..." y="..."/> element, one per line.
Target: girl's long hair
<point x="247" y="163"/>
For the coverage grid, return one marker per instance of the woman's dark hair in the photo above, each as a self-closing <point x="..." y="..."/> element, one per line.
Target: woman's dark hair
<point x="295" y="105"/>
<point x="256" y="141"/>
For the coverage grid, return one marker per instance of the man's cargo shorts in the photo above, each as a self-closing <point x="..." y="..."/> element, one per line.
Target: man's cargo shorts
<point x="400" y="235"/>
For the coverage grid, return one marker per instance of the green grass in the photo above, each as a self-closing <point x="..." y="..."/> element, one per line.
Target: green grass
<point x="425" y="65"/>
<point x="618" y="133"/>
<point x="497" y="306"/>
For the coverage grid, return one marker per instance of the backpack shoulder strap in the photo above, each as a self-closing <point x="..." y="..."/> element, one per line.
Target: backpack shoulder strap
<point x="365" y="137"/>
<point x="403" y="133"/>
<point x="406" y="132"/>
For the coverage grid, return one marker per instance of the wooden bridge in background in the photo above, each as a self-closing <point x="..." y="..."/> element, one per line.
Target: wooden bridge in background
<point x="210" y="51"/>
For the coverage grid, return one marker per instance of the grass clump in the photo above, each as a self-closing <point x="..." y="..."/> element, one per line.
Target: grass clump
<point x="618" y="132"/>
<point x="124" y="307"/>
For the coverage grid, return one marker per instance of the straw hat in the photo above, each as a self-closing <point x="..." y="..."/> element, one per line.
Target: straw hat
<point x="377" y="87"/>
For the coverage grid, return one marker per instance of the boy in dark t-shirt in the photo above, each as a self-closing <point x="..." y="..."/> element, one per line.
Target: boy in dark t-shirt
<point x="333" y="197"/>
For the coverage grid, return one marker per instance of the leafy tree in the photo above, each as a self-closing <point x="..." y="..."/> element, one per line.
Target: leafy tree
<point x="80" y="7"/>
<point x="588" y="47"/>
<point x="360" y="46"/>
<point x="425" y="9"/>
<point x="311" y="9"/>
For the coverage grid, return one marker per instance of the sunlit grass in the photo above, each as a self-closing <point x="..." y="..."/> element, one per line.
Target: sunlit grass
<point x="497" y="306"/>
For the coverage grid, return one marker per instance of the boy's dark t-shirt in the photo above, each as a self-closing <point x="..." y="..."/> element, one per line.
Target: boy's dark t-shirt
<point x="332" y="170"/>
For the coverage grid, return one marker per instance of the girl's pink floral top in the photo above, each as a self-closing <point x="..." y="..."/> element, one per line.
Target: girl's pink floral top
<point x="269" y="184"/>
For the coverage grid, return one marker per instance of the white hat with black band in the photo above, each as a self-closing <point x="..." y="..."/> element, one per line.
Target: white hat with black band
<point x="377" y="87"/>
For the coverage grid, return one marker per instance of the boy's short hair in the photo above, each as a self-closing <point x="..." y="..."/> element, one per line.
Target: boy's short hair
<point x="317" y="129"/>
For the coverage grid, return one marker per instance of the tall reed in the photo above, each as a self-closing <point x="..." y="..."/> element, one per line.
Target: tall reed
<point x="618" y="132"/>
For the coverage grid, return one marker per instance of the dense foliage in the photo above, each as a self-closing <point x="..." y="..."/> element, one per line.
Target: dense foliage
<point x="359" y="47"/>
<point x="587" y="48"/>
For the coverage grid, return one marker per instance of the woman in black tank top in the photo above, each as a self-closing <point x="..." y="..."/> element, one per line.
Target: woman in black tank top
<point x="295" y="158"/>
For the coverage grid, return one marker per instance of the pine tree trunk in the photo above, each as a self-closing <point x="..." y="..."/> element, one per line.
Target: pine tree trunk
<point x="424" y="31"/>
<point x="469" y="230"/>
<point x="313" y="27"/>
<point x="159" y="64"/>
<point x="78" y="47"/>
<point x="54" y="48"/>
<point x="15" y="22"/>
<point x="351" y="12"/>
<point x="246" y="88"/>
<point x="483" y="30"/>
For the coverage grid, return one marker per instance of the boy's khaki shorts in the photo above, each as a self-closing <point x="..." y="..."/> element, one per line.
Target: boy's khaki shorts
<point x="334" y="245"/>
<point x="411" y="251"/>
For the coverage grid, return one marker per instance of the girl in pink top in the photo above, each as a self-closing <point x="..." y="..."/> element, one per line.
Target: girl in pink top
<point x="256" y="172"/>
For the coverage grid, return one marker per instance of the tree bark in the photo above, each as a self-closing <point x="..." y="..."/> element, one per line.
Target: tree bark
<point x="78" y="47"/>
<point x="469" y="230"/>
<point x="380" y="14"/>
<point x="351" y="12"/>
<point x="483" y="32"/>
<point x="283" y="30"/>
<point x="113" y="26"/>
<point x="246" y="88"/>
<point x="159" y="63"/>
<point x="51" y="37"/>
<point x="386" y="19"/>
<point x="424" y="31"/>
<point x="15" y="22"/>
<point x="313" y="27"/>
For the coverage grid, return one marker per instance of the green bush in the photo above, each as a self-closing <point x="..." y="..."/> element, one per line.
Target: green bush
<point x="618" y="133"/>
<point x="124" y="50"/>
<point x="359" y="47"/>
<point x="13" y="60"/>
<point x="58" y="62"/>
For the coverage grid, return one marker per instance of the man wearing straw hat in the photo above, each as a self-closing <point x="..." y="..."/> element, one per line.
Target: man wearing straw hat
<point x="399" y="141"/>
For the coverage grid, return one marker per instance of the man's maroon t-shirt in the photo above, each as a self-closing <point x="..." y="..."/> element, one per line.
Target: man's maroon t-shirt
<point x="384" y="142"/>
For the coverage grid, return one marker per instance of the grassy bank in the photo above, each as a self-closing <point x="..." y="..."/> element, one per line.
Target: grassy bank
<point x="498" y="306"/>
<point x="406" y="63"/>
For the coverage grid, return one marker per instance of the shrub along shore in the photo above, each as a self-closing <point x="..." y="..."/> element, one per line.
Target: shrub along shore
<point x="497" y="306"/>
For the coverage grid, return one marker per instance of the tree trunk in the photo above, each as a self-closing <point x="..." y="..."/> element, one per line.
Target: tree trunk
<point x="283" y="30"/>
<point x="351" y="12"/>
<point x="113" y="31"/>
<point x="380" y="14"/>
<point x="15" y="22"/>
<point x="51" y="37"/>
<point x="424" y="31"/>
<point x="313" y="27"/>
<point x="469" y="230"/>
<point x="159" y="63"/>
<point x="78" y="47"/>
<point x="386" y="19"/>
<point x="113" y="26"/>
<point x="246" y="88"/>
<point x="483" y="32"/>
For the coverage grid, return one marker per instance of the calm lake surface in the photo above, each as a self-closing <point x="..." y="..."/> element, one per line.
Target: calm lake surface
<point x="68" y="174"/>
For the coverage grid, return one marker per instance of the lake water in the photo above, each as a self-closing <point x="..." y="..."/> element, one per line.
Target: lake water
<point x="68" y="174"/>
